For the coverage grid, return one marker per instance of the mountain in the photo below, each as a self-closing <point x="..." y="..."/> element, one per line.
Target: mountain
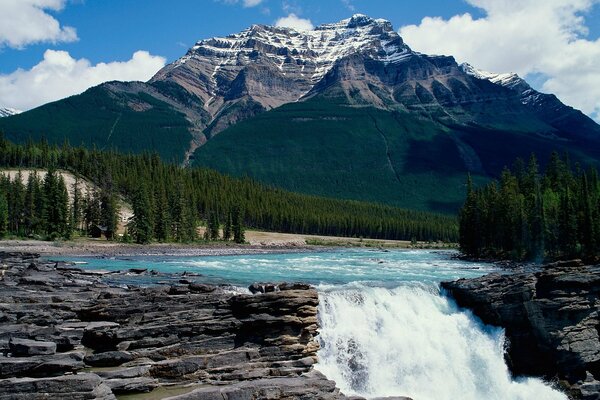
<point x="345" y="110"/>
<point x="7" y="112"/>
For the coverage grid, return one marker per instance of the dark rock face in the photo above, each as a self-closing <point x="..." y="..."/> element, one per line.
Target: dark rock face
<point x="58" y="320"/>
<point x="551" y="317"/>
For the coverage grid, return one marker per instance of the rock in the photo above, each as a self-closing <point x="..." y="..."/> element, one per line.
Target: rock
<point x="138" y="270"/>
<point x="551" y="318"/>
<point x="132" y="385"/>
<point x="72" y="387"/>
<point x="25" y="347"/>
<point x="131" y="372"/>
<point x="108" y="358"/>
<point x="42" y="365"/>
<point x="308" y="386"/>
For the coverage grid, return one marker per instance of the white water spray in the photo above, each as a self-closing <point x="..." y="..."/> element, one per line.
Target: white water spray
<point x="411" y="341"/>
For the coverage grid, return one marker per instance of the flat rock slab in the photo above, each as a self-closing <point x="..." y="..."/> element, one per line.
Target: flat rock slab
<point x="25" y="347"/>
<point x="72" y="387"/>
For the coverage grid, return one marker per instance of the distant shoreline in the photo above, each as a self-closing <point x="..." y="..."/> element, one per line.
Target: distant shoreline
<point x="259" y="243"/>
<point x="103" y="248"/>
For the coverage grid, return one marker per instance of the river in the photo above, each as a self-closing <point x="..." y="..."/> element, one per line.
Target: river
<point x="386" y="328"/>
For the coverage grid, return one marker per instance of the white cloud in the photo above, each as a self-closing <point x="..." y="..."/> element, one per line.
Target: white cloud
<point x="245" y="3"/>
<point x="524" y="36"/>
<point x="348" y="4"/>
<point x="295" y="22"/>
<point x="23" y="22"/>
<point x="59" y="75"/>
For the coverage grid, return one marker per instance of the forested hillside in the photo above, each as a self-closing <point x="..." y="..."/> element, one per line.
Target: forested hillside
<point x="170" y="201"/>
<point x="528" y="215"/>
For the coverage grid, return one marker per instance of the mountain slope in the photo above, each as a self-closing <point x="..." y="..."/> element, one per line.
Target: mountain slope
<point x="345" y="110"/>
<point x="365" y="153"/>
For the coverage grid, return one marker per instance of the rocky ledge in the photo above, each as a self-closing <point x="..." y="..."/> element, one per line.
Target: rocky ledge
<point x="67" y="333"/>
<point x="551" y="317"/>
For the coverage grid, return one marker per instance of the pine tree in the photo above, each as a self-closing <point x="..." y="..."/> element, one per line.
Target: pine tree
<point x="141" y="225"/>
<point x="62" y="209"/>
<point x="238" y="226"/>
<point x="109" y="213"/>
<point x="3" y="214"/>
<point x="76" y="206"/>
<point x="213" y="226"/>
<point x="227" y="228"/>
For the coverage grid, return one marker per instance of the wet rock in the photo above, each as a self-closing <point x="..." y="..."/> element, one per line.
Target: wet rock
<point x="132" y="385"/>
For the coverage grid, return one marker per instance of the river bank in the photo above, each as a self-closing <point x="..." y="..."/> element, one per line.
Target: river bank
<point x="258" y="242"/>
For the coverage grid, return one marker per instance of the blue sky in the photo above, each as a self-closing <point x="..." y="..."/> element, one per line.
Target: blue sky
<point x="53" y="48"/>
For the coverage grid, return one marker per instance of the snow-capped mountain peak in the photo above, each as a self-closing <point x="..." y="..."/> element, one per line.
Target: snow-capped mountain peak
<point x="312" y="52"/>
<point x="7" y="112"/>
<point x="277" y="65"/>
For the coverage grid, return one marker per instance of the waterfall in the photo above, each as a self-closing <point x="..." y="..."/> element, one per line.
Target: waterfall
<point x="411" y="341"/>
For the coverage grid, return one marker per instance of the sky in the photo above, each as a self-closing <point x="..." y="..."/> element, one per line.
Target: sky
<point x="51" y="49"/>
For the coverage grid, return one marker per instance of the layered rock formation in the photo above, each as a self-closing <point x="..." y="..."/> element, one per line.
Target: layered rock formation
<point x="551" y="318"/>
<point x="67" y="333"/>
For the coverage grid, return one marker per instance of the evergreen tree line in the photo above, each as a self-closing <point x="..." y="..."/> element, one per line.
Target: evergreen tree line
<point x="169" y="201"/>
<point x="528" y="215"/>
<point x="39" y="207"/>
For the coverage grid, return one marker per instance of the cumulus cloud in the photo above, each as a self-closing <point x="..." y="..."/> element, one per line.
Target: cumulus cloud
<point x="295" y="22"/>
<point x="24" y="22"/>
<point x="59" y="75"/>
<point x="525" y="36"/>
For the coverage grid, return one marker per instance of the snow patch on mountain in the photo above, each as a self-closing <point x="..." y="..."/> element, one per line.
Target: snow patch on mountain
<point x="7" y="112"/>
<point x="508" y="80"/>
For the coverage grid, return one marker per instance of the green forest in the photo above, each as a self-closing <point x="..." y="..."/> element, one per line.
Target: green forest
<point x="169" y="202"/>
<point x="534" y="215"/>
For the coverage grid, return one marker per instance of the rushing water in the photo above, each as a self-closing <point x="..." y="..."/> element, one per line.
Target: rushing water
<point x="385" y="327"/>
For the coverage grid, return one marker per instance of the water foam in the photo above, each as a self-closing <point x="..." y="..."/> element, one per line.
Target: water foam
<point x="412" y="341"/>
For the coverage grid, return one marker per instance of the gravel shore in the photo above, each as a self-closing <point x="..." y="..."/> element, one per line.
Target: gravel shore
<point x="104" y="248"/>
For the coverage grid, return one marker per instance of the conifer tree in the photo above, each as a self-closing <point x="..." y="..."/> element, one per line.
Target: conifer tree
<point x="3" y="214"/>
<point x="238" y="225"/>
<point x="228" y="227"/>
<point x="76" y="205"/>
<point x="141" y="225"/>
